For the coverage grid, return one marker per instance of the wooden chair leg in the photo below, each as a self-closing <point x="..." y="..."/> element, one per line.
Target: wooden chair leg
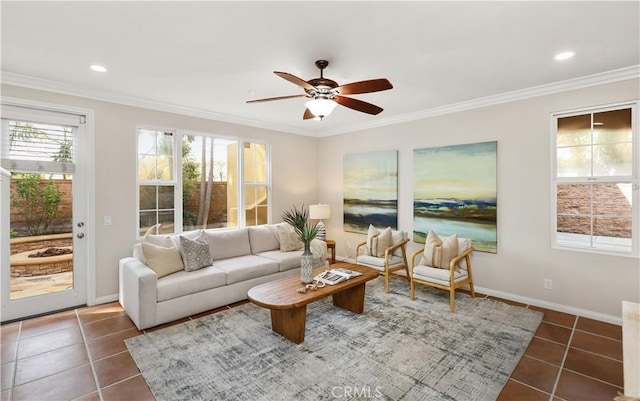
<point x="386" y="283"/>
<point x="473" y="293"/>
<point x="452" y="300"/>
<point x="411" y="292"/>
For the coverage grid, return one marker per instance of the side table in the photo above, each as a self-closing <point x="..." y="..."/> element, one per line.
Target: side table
<point x="331" y="245"/>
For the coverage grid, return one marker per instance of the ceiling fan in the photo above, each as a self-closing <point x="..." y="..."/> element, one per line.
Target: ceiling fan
<point x="326" y="94"/>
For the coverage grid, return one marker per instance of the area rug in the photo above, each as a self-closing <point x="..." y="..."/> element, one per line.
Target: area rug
<point x="397" y="349"/>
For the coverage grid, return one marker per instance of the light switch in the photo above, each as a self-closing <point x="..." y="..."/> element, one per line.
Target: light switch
<point x="107" y="220"/>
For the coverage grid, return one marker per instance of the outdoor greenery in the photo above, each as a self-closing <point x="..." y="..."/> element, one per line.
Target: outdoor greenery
<point x="38" y="200"/>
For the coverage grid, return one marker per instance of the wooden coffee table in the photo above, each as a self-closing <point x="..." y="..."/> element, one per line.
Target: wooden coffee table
<point x="289" y="307"/>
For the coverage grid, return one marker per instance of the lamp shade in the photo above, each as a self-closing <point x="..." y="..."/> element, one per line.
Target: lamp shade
<point x="319" y="212"/>
<point x="321" y="107"/>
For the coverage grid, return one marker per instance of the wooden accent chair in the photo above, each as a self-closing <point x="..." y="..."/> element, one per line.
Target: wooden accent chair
<point x="457" y="275"/>
<point x="395" y="258"/>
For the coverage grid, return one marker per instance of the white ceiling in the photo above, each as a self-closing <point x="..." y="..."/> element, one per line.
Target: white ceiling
<point x="208" y="58"/>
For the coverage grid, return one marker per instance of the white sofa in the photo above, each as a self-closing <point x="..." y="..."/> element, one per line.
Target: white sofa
<point x="242" y="258"/>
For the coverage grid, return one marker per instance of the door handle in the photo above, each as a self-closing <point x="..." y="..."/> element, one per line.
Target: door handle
<point x="80" y="235"/>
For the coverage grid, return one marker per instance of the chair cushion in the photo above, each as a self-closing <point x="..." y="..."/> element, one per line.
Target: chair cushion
<point x="378" y="241"/>
<point x="396" y="237"/>
<point x="378" y="263"/>
<point x="436" y="275"/>
<point x="439" y="253"/>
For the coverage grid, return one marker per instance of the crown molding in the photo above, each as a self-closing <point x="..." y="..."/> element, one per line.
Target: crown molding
<point x="622" y="74"/>
<point x="25" y="81"/>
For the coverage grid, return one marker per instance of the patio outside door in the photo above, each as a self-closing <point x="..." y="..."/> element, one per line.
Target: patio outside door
<point x="43" y="222"/>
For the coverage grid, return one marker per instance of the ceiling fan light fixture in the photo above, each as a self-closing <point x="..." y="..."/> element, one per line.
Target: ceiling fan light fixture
<point x="321" y="107"/>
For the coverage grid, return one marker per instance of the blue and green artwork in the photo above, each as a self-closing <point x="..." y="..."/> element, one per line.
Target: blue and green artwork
<point x="370" y="190"/>
<point x="455" y="192"/>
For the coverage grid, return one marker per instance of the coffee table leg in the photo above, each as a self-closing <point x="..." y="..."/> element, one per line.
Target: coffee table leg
<point x="351" y="299"/>
<point x="289" y="323"/>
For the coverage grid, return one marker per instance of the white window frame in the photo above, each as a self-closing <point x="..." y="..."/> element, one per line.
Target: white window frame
<point x="178" y="135"/>
<point x="634" y="179"/>
<point x="177" y="200"/>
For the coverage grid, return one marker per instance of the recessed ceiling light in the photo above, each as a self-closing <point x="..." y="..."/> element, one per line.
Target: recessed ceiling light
<point x="564" y="56"/>
<point x="98" y="68"/>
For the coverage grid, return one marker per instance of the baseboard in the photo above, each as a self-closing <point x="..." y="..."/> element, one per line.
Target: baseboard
<point x="106" y="299"/>
<point x="553" y="306"/>
<point x="543" y="304"/>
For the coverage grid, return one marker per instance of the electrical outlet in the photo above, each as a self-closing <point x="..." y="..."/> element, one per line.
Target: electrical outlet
<point x="548" y="284"/>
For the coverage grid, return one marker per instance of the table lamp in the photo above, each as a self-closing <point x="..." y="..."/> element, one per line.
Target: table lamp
<point x="319" y="212"/>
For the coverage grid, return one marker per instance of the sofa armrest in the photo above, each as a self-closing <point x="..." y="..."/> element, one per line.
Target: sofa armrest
<point x="138" y="292"/>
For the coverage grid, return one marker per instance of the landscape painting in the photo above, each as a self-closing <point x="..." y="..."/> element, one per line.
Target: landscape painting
<point x="370" y="191"/>
<point x="455" y="192"/>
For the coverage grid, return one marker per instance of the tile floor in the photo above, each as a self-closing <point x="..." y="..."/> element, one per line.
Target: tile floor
<point x="80" y="355"/>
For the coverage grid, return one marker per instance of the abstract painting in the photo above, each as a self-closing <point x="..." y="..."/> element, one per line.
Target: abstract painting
<point x="455" y="192"/>
<point x="370" y="190"/>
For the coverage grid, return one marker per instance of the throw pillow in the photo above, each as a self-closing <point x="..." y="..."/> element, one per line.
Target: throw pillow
<point x="378" y="241"/>
<point x="162" y="260"/>
<point x="439" y="253"/>
<point x="195" y="252"/>
<point x="288" y="238"/>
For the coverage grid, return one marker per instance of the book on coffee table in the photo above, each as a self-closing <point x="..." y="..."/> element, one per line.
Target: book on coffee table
<point x="335" y="276"/>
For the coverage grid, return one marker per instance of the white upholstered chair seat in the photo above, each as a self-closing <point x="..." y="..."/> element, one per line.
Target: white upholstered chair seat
<point x="440" y="276"/>
<point x="378" y="263"/>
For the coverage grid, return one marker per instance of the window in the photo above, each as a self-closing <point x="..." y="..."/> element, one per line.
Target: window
<point x="156" y="181"/>
<point x="595" y="185"/>
<point x="203" y="191"/>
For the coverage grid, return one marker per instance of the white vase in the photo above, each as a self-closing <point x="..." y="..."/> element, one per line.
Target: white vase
<point x="306" y="265"/>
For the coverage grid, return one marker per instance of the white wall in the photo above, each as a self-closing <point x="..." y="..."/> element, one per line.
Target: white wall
<point x="294" y="170"/>
<point x="591" y="282"/>
<point x="587" y="281"/>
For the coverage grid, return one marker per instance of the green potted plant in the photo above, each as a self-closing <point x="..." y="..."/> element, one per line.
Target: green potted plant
<point x="299" y="220"/>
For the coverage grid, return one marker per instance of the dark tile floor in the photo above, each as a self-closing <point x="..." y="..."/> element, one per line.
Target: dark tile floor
<point x="80" y="355"/>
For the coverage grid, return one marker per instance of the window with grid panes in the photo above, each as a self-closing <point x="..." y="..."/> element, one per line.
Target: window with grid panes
<point x="595" y="181"/>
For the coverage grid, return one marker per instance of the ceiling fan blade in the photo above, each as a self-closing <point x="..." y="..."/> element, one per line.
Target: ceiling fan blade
<point x="372" y="85"/>
<point x="358" y="105"/>
<point x="293" y="79"/>
<point x="268" y="99"/>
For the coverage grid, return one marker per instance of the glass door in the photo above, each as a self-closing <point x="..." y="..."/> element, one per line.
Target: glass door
<point x="43" y="221"/>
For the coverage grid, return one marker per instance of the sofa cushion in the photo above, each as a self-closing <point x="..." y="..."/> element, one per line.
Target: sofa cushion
<point x="162" y="260"/>
<point x="262" y="238"/>
<point x="226" y="244"/>
<point x="286" y="260"/>
<point x="185" y="283"/>
<point x="195" y="253"/>
<point x="246" y="267"/>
